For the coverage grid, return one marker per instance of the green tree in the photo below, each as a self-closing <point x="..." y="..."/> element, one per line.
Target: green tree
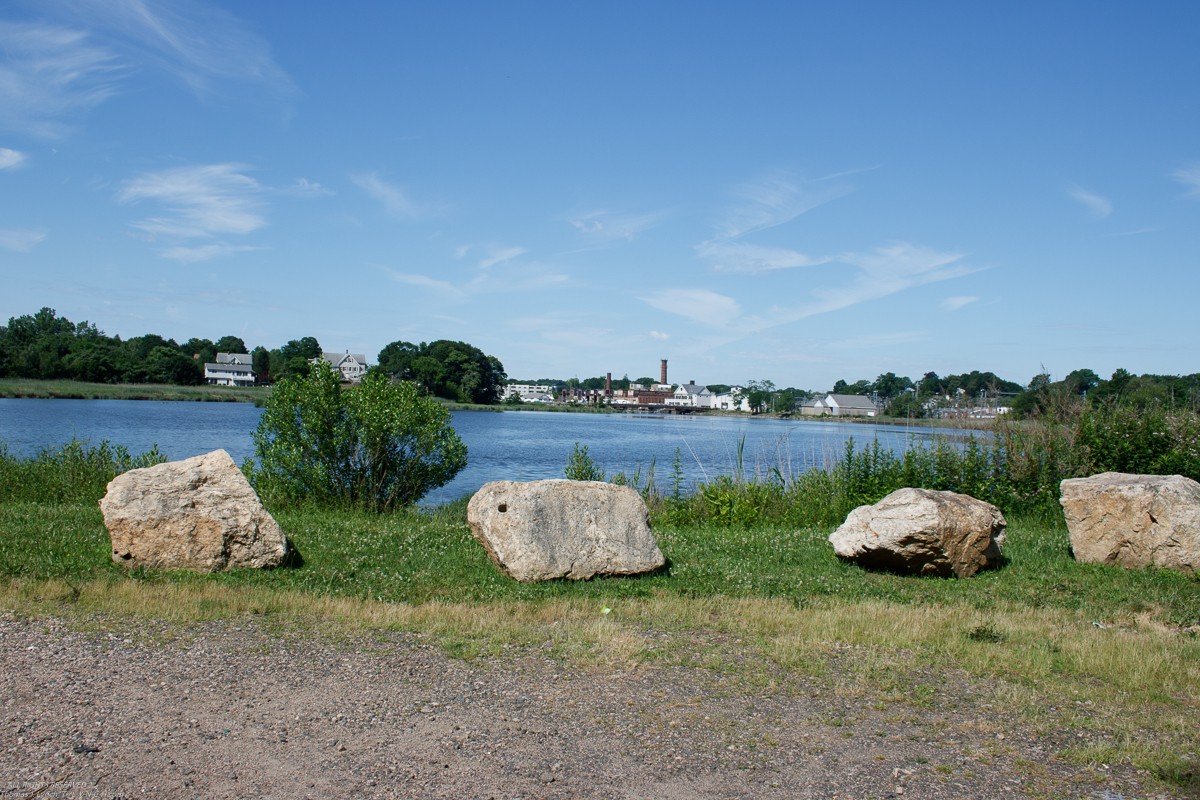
<point x="202" y="347"/>
<point x="260" y="359"/>
<point x="453" y="370"/>
<point x="233" y="344"/>
<point x="906" y="405"/>
<point x="378" y="445"/>
<point x="306" y="348"/>
<point x="167" y="365"/>
<point x="889" y="385"/>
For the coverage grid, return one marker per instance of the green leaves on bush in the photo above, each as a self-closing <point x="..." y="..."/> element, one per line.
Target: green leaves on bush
<point x="1152" y="441"/>
<point x="581" y="467"/>
<point x="377" y="445"/>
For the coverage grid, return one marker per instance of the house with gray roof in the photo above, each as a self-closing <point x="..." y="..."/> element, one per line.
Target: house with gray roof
<point x="230" y="369"/>
<point x="691" y="394"/>
<point x="850" y="405"/>
<point x="353" y="366"/>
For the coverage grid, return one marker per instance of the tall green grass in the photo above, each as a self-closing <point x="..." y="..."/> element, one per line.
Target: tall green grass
<point x="1017" y="466"/>
<point x="77" y="472"/>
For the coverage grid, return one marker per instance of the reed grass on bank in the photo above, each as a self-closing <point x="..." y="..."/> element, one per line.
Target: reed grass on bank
<point x="79" y="390"/>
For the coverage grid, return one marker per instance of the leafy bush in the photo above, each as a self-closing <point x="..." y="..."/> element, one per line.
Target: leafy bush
<point x="581" y="467"/>
<point x="377" y="445"/>
<point x="1151" y="441"/>
<point x="77" y="472"/>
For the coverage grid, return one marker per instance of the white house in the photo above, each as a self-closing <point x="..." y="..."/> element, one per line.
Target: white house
<point x="230" y="369"/>
<point x="728" y="401"/>
<point x="689" y="394"/>
<point x="850" y="405"/>
<point x="353" y="366"/>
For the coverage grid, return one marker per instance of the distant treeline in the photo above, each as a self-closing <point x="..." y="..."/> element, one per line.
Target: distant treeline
<point x="908" y="398"/>
<point x="49" y="347"/>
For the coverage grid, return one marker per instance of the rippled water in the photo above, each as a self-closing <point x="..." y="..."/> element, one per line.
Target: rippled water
<point x="518" y="445"/>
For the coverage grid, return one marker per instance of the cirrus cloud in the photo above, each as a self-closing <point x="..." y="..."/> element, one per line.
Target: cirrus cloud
<point x="700" y="305"/>
<point x="201" y="201"/>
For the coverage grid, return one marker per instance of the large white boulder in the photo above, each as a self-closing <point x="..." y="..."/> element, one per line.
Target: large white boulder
<point x="549" y="529"/>
<point x="200" y="514"/>
<point x="923" y="531"/>
<point x="1134" y="520"/>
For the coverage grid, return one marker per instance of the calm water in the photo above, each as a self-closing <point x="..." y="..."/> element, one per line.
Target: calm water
<point x="522" y="445"/>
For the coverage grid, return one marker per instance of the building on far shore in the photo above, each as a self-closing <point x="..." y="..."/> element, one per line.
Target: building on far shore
<point x="353" y="366"/>
<point x="840" y="405"/>
<point x="230" y="369"/>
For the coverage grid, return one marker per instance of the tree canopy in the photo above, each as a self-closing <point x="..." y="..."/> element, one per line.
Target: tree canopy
<point x="451" y="370"/>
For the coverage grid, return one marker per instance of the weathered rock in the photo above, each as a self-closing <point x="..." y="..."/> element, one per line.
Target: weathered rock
<point x="549" y="529"/>
<point x="200" y="514"/>
<point x="1134" y="520"/>
<point x="923" y="531"/>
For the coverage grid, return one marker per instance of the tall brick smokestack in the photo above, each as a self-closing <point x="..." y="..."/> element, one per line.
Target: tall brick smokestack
<point x="663" y="379"/>
<point x="608" y="383"/>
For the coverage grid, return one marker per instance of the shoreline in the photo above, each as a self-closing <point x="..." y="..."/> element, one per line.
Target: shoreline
<point x="30" y="389"/>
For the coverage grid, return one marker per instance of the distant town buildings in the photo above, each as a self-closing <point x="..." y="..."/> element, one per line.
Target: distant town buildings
<point x="230" y="369"/>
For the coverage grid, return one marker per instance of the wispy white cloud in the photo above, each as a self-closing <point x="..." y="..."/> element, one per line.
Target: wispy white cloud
<point x="1100" y="206"/>
<point x="49" y="71"/>
<point x="21" y="241"/>
<point x="772" y="201"/>
<point x="660" y="336"/>
<point x="499" y="255"/>
<point x="426" y="282"/>
<point x="877" y="340"/>
<point x="392" y="197"/>
<point x="10" y="158"/>
<point x="190" y="255"/>
<point x="80" y="52"/>
<point x="1134" y="233"/>
<point x="1189" y="176"/>
<point x="700" y="305"/>
<point x="306" y="188"/>
<point x="777" y="199"/>
<point x="955" y="303"/>
<point x="202" y="201"/>
<point x="885" y="271"/>
<point x="609" y="225"/>
<point x="866" y="276"/>
<point x="201" y="43"/>
<point x="749" y="259"/>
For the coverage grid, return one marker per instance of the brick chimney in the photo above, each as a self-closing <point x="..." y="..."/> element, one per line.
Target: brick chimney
<point x="663" y="379"/>
<point x="608" y="383"/>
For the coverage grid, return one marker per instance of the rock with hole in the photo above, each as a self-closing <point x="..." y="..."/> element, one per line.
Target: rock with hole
<point x="1134" y="520"/>
<point x="925" y="532"/>
<point x="199" y="514"/>
<point x="542" y="530"/>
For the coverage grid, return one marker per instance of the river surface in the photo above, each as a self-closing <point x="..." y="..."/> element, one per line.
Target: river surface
<point x="515" y="445"/>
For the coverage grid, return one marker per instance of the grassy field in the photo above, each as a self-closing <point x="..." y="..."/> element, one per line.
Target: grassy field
<point x="77" y="390"/>
<point x="1098" y="648"/>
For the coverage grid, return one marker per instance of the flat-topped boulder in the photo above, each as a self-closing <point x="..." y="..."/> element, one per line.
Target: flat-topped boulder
<point x="1134" y="520"/>
<point x="200" y="514"/>
<point x="923" y="531"/>
<point x="542" y="530"/>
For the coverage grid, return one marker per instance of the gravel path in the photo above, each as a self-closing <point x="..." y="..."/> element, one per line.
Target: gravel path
<point x="231" y="709"/>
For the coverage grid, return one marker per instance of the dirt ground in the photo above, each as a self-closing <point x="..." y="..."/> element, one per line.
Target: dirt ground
<point x="234" y="709"/>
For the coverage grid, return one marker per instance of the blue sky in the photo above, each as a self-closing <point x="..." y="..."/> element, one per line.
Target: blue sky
<point x="799" y="192"/>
